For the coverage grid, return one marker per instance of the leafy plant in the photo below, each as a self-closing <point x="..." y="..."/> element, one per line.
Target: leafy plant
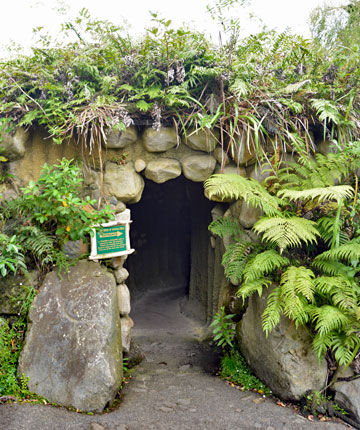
<point x="223" y="329"/>
<point x="12" y="258"/>
<point x="11" y="342"/>
<point x="234" y="369"/>
<point x="312" y="285"/>
<point x="47" y="214"/>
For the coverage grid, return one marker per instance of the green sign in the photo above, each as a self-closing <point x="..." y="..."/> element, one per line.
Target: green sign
<point x="111" y="239"/>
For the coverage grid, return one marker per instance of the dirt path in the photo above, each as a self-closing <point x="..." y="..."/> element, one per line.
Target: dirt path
<point x="174" y="388"/>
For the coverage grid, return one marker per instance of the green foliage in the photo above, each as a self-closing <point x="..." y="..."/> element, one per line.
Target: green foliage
<point x="287" y="232"/>
<point x="251" y="88"/>
<point x="11" y="342"/>
<point x="48" y="213"/>
<point x="316" y="285"/>
<point x="223" y="329"/>
<point x="12" y="257"/>
<point x="237" y="187"/>
<point x="234" y="369"/>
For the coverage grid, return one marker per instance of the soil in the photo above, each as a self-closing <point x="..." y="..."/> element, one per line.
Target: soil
<point x="175" y="387"/>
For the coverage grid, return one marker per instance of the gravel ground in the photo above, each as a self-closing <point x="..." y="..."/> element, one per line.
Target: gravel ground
<point x="175" y="387"/>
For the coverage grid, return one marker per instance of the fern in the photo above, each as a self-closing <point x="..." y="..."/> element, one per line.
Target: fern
<point x="263" y="264"/>
<point x="234" y="260"/>
<point x="273" y="311"/>
<point x="237" y="187"/>
<point x="329" y="318"/>
<point x="349" y="252"/>
<point x="226" y="226"/>
<point x="326" y="227"/>
<point x="343" y="345"/>
<point x="337" y="193"/>
<point x="326" y="110"/>
<point x="333" y="268"/>
<point x="341" y="290"/>
<point x="248" y="288"/>
<point x="287" y="232"/>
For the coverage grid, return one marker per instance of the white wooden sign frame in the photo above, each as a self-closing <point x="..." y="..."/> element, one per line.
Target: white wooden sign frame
<point x="95" y="256"/>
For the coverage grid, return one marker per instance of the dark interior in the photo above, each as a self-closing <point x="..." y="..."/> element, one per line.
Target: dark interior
<point x="170" y="235"/>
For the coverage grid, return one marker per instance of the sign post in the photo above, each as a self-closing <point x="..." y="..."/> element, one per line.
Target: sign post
<point x="112" y="239"/>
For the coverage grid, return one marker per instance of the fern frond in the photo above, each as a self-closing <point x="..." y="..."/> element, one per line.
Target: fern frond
<point x="343" y="345"/>
<point x="326" y="227"/>
<point x="321" y="343"/>
<point x="40" y="243"/>
<point x="287" y="232"/>
<point x="251" y="287"/>
<point x="264" y="264"/>
<point x="341" y="290"/>
<point x="239" y="88"/>
<point x="337" y="192"/>
<point x="348" y="252"/>
<point x="333" y="268"/>
<point x="294" y="88"/>
<point x="297" y="290"/>
<point x="237" y="187"/>
<point x="296" y="281"/>
<point x="329" y="318"/>
<point x="234" y="260"/>
<point x="226" y="226"/>
<point x="326" y="110"/>
<point x="271" y="316"/>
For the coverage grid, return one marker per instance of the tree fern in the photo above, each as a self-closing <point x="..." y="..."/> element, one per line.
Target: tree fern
<point x="287" y="232"/>
<point x="262" y="264"/>
<point x="237" y="187"/>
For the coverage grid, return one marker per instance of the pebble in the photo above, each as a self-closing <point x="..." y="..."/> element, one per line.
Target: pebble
<point x="258" y="400"/>
<point x="257" y="425"/>
<point x="121" y="427"/>
<point x="165" y="409"/>
<point x="183" y="402"/>
<point x="96" y="426"/>
<point x="139" y="390"/>
<point x="184" y="367"/>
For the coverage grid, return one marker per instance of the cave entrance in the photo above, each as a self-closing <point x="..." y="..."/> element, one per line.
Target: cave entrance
<point x="172" y="242"/>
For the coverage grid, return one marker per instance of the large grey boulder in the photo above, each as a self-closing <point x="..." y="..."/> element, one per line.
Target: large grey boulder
<point x="73" y="353"/>
<point x="197" y="168"/>
<point x="14" y="143"/>
<point x="123" y="182"/>
<point x="163" y="169"/>
<point x="284" y="361"/>
<point x="201" y="140"/>
<point x="120" y="139"/>
<point x="160" y="140"/>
